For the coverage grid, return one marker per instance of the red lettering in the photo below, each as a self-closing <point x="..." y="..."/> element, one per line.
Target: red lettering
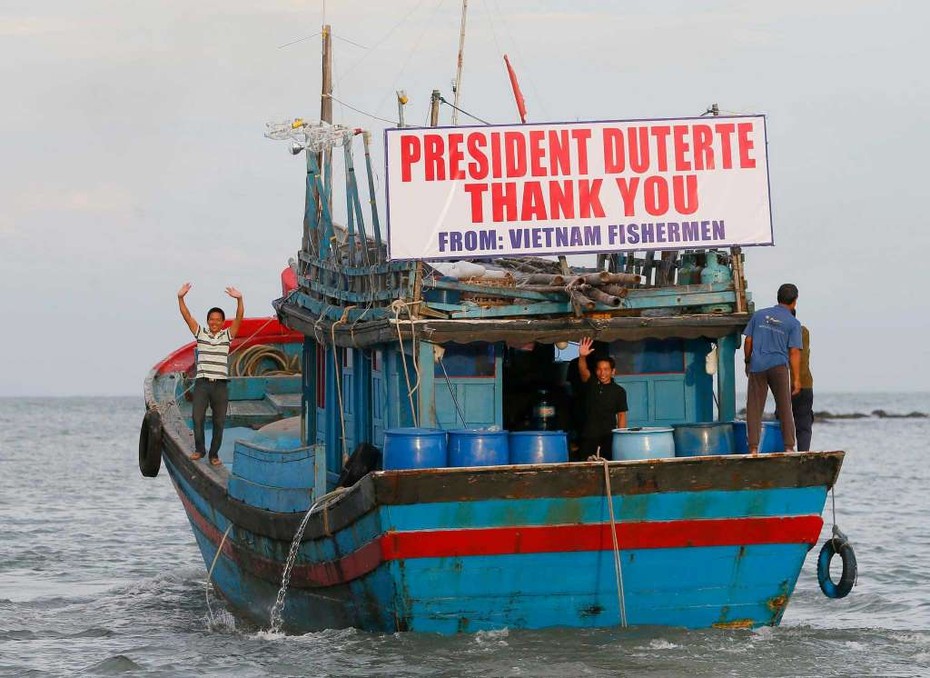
<point x="661" y="132"/>
<point x="743" y="130"/>
<point x="724" y="130"/>
<point x="562" y="199"/>
<point x="432" y="157"/>
<point x="655" y="195"/>
<point x="559" y="162"/>
<point x="589" y="198"/>
<point x="409" y="154"/>
<point x="703" y="138"/>
<point x="496" y="155"/>
<point x="475" y="142"/>
<point x="682" y="163"/>
<point x="581" y="137"/>
<point x="614" y="150"/>
<point x="533" y="206"/>
<point x="504" y="201"/>
<point x="537" y="153"/>
<point x="476" y="191"/>
<point x="628" y="189"/>
<point x="686" y="195"/>
<point x="515" y="152"/>
<point x="456" y="156"/>
<point x="638" y="141"/>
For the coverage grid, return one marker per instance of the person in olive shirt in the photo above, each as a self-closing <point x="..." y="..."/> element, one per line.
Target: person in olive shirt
<point x="802" y="402"/>
<point x="605" y="402"/>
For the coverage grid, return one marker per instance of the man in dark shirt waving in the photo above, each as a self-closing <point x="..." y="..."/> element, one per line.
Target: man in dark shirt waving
<point x="605" y="402"/>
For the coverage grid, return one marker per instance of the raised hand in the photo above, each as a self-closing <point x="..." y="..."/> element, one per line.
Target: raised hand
<point x="234" y="293"/>
<point x="586" y="347"/>
<point x="185" y="288"/>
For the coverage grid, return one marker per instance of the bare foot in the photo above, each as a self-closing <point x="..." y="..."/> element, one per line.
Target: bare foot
<point x="197" y="455"/>
<point x="215" y="461"/>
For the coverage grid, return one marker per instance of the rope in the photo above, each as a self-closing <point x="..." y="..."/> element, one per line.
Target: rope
<point x="473" y="117"/>
<point x="396" y="305"/>
<point x="618" y="569"/>
<point x="206" y="591"/>
<point x="455" y="400"/>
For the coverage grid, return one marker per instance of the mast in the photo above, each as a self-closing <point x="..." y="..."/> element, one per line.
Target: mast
<point x="326" y="113"/>
<point x="326" y="100"/>
<point x="458" y="69"/>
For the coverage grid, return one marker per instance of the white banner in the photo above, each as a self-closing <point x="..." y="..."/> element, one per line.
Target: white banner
<point x="570" y="188"/>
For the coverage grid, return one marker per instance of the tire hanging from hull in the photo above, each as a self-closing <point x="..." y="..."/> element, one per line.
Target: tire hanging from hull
<point x="150" y="444"/>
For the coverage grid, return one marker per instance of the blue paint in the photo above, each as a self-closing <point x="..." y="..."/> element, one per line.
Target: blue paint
<point x="740" y="439"/>
<point x="771" y="439"/>
<point x="643" y="443"/>
<point x="707" y="504"/>
<point x="478" y="447"/>
<point x="688" y="587"/>
<point x="685" y="587"/>
<point x="702" y="439"/>
<point x="407" y="448"/>
<point x="538" y="447"/>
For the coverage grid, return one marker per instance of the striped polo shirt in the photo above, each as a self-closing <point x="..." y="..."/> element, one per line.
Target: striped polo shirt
<point x="212" y="354"/>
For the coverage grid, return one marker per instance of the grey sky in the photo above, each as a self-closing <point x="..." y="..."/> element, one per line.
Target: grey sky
<point x="132" y="144"/>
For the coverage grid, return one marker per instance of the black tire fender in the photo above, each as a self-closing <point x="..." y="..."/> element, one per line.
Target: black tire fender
<point x="150" y="444"/>
<point x="842" y="588"/>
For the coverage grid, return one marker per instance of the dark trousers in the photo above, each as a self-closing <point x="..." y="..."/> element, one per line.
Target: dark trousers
<point x="216" y="395"/>
<point x="802" y="407"/>
<point x="779" y="380"/>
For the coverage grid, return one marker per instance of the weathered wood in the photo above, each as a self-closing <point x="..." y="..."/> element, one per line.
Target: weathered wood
<point x="542" y="279"/>
<point x="584" y="302"/>
<point x="599" y="296"/>
<point x="616" y="290"/>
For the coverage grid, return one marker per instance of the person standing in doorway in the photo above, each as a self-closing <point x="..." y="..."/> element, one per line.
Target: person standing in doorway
<point x="605" y="402"/>
<point x="802" y="402"/>
<point x="212" y="378"/>
<point x="772" y="349"/>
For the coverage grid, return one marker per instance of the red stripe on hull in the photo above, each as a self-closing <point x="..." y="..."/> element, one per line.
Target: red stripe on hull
<point x="329" y="573"/>
<point x="640" y="535"/>
<point x="517" y="540"/>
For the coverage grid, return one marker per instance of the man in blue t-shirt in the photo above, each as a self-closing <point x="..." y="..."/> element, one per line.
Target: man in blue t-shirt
<point x="773" y="343"/>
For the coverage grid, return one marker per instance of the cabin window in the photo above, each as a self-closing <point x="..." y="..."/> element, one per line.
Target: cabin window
<point x="348" y="356"/>
<point x="467" y="360"/>
<point x="376" y="361"/>
<point x="650" y="356"/>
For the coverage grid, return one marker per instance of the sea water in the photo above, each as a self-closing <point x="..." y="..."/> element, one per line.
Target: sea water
<point x="100" y="575"/>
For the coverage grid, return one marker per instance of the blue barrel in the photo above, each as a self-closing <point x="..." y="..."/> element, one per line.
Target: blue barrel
<point x="740" y="439"/>
<point x="643" y="443"/>
<point x="478" y="447"/>
<point x="414" y="448"/>
<point x="538" y="447"/>
<point x="772" y="439"/>
<point x="703" y="438"/>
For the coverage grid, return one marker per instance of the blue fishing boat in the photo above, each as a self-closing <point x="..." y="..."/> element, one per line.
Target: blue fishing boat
<point x="397" y="454"/>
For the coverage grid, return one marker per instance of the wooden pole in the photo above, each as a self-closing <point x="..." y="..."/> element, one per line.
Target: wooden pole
<point x="458" y="68"/>
<point x="434" y="108"/>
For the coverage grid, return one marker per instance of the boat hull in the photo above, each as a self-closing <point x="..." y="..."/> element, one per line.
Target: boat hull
<point x="455" y="550"/>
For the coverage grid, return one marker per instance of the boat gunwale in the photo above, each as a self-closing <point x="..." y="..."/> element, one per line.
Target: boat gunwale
<point x="463" y="484"/>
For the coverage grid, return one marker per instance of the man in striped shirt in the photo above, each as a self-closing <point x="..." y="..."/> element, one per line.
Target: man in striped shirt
<point x="210" y="383"/>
